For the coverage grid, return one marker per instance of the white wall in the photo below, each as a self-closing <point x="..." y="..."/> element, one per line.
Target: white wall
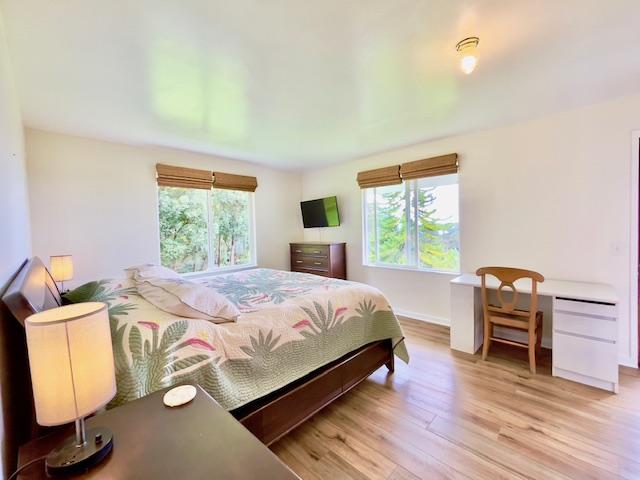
<point x="14" y="223"/>
<point x="552" y="194"/>
<point x="98" y="201"/>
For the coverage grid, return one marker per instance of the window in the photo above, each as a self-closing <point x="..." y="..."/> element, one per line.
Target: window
<point x="413" y="224"/>
<point x="203" y="230"/>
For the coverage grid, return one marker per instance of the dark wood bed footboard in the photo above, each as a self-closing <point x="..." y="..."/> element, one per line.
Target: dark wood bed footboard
<point x="273" y="416"/>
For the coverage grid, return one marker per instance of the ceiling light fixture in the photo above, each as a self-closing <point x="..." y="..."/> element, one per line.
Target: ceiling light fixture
<point x="466" y="48"/>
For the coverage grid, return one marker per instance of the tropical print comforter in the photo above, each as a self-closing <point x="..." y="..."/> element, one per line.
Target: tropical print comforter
<point x="291" y="324"/>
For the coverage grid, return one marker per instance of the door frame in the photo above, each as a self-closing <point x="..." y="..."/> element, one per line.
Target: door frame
<point x="634" y="247"/>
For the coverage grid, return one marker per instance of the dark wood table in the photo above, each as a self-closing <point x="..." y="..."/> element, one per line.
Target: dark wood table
<point x="199" y="440"/>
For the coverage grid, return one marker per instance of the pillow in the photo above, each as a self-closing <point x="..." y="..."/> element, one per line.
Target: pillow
<point x="150" y="270"/>
<point x="187" y="299"/>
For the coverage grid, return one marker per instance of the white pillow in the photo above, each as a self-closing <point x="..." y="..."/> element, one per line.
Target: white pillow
<point x="187" y="299"/>
<point x="150" y="270"/>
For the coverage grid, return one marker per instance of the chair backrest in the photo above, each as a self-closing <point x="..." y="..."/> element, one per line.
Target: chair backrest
<point x="507" y="277"/>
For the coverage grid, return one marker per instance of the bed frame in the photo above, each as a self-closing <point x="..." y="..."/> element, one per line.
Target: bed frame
<point x="268" y="418"/>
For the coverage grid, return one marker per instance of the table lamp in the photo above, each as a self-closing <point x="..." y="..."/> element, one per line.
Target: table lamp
<point x="73" y="375"/>
<point x="61" y="269"/>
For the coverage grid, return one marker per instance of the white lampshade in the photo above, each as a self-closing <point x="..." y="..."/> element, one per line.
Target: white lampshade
<point x="61" y="268"/>
<point x="71" y="361"/>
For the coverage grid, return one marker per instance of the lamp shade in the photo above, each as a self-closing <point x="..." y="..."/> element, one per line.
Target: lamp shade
<point x="71" y="361"/>
<point x="62" y="268"/>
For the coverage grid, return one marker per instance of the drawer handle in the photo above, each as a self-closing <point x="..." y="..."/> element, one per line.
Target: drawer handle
<point x="317" y="263"/>
<point x="317" y="251"/>
<point x="298" y="261"/>
<point x="298" y="251"/>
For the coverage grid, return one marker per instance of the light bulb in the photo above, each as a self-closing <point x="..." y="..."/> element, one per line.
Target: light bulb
<point x="468" y="63"/>
<point x="466" y="49"/>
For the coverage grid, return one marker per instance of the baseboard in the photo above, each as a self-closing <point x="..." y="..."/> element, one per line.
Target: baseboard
<point x="508" y="334"/>
<point x="423" y="318"/>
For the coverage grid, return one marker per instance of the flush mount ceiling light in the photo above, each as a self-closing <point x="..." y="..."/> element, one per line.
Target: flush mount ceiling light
<point x="467" y="48"/>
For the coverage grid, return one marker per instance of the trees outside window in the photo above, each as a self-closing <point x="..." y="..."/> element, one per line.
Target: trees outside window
<point x="202" y="230"/>
<point x="414" y="224"/>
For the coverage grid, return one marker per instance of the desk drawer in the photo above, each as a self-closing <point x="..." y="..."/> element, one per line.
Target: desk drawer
<point x="596" y="327"/>
<point x="593" y="358"/>
<point x="586" y="308"/>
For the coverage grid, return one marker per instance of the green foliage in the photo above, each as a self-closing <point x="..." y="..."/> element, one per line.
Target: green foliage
<point x="183" y="229"/>
<point x="230" y="228"/>
<point x="392" y="227"/>
<point x="187" y="238"/>
<point x="438" y="238"/>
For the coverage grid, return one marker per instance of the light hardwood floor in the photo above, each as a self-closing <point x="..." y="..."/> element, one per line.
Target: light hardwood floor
<point x="451" y="415"/>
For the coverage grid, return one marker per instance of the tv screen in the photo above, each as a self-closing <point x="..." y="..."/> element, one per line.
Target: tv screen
<point x="320" y="213"/>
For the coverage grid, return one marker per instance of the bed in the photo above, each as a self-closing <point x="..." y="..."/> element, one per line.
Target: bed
<point x="300" y="342"/>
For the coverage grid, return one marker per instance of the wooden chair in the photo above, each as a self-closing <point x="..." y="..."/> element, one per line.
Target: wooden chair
<point x="507" y="315"/>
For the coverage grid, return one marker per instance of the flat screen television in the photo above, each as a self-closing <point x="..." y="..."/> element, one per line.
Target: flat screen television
<point x="322" y="212"/>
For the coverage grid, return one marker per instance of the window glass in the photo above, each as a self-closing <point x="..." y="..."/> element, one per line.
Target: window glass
<point x="391" y="212"/>
<point x="438" y="232"/>
<point x="230" y="236"/>
<point x="201" y="230"/>
<point x="414" y="224"/>
<point x="184" y="243"/>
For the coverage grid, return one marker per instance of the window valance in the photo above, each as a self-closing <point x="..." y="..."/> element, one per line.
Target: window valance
<point x="379" y="177"/>
<point x="170" y="176"/>
<point x="230" y="181"/>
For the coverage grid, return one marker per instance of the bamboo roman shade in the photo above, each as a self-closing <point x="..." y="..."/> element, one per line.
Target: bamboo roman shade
<point x="430" y="167"/>
<point x="395" y="174"/>
<point x="379" y="177"/>
<point x="169" y="176"/>
<point x="230" y="181"/>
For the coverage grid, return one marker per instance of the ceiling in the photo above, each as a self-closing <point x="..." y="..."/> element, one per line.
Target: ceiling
<point x="299" y="84"/>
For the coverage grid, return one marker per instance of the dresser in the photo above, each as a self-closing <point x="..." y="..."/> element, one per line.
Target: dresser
<point x="327" y="259"/>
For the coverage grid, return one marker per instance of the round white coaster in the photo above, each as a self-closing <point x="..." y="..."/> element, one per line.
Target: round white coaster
<point x="179" y="395"/>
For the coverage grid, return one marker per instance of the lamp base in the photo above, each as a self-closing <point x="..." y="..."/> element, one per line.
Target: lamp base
<point x="69" y="457"/>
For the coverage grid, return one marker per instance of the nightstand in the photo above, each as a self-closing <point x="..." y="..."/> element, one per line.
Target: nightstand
<point x="199" y="440"/>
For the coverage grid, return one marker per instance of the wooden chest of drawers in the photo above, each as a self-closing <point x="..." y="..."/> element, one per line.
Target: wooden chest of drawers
<point x="320" y="258"/>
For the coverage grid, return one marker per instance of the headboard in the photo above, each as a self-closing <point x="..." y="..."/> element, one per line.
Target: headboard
<point x="32" y="290"/>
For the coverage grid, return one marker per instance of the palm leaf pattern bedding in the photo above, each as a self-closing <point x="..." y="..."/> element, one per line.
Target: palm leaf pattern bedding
<point x="290" y="324"/>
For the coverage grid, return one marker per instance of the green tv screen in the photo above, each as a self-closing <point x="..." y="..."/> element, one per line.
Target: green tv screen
<point x="322" y="212"/>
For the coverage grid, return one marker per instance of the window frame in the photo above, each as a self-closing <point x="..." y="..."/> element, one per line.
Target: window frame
<point x="411" y="203"/>
<point x="211" y="268"/>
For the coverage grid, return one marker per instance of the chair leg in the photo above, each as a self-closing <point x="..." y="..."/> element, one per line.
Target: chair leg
<point x="532" y="350"/>
<point x="487" y="339"/>
<point x="539" y="338"/>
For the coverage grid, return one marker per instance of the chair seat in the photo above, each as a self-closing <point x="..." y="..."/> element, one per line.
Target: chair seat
<point x="513" y="321"/>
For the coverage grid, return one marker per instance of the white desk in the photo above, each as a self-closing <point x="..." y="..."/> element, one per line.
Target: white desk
<point x="584" y="326"/>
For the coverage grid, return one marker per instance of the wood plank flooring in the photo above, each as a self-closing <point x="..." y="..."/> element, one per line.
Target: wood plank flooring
<point x="451" y="415"/>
